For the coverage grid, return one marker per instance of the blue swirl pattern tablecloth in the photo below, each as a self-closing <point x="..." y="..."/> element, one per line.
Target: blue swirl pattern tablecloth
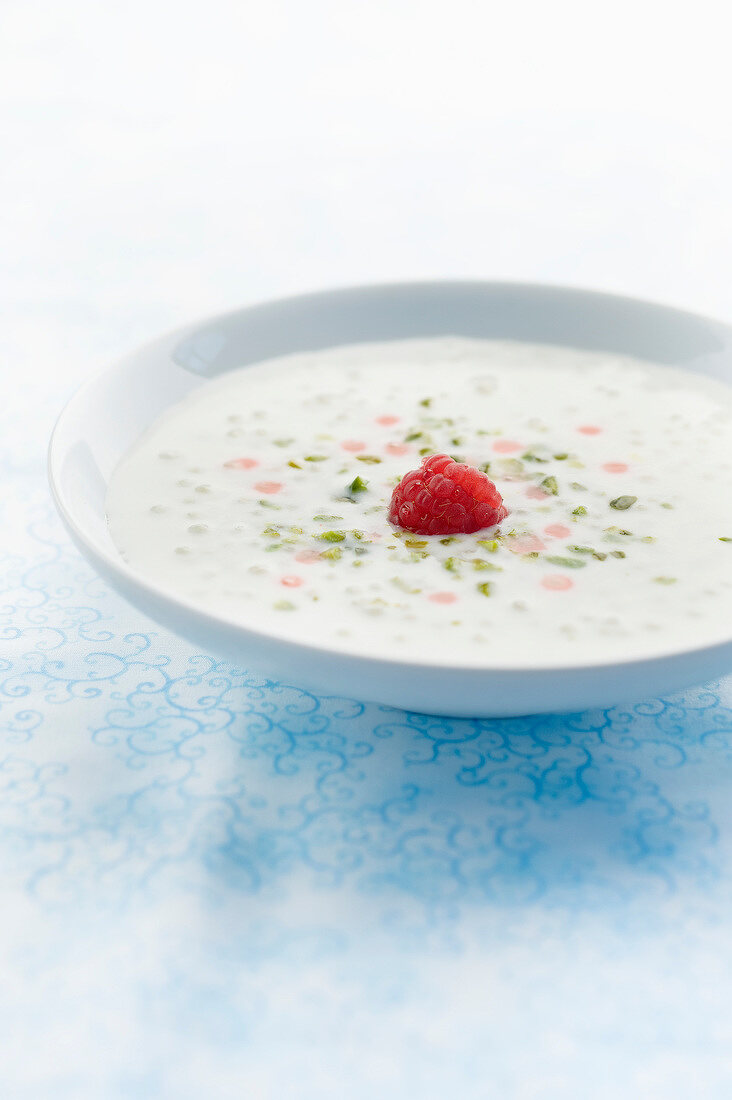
<point x="217" y="885"/>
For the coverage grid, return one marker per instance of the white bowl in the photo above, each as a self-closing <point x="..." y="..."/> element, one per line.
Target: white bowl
<point x="107" y="416"/>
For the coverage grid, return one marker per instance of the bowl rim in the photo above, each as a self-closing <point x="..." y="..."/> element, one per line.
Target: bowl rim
<point x="147" y="592"/>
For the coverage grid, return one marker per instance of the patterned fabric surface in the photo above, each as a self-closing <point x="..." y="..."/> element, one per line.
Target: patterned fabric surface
<point x="217" y="885"/>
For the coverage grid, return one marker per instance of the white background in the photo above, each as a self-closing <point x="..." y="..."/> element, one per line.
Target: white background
<point x="163" y="160"/>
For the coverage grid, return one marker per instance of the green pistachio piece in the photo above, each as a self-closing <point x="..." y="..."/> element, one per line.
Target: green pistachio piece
<point x="567" y="563"/>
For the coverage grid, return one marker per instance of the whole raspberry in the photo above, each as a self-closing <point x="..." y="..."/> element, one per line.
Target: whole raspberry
<point x="445" y="498"/>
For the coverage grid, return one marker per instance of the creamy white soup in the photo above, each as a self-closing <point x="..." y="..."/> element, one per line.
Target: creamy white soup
<point x="264" y="497"/>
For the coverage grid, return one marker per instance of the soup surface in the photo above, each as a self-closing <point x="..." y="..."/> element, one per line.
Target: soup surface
<point x="263" y="497"/>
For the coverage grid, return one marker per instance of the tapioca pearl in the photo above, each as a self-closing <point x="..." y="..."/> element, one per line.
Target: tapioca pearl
<point x="198" y="528"/>
<point x="557" y="530"/>
<point x="506" y="446"/>
<point x="182" y="550"/>
<point x="442" y="597"/>
<point x="268" y="487"/>
<point x="396" y="448"/>
<point x="353" y="445"/>
<point x="589" y="429"/>
<point x="291" y="581"/>
<point x="202" y="489"/>
<point x="387" y="420"/>
<point x="556" y="582"/>
<point x="241" y="463"/>
<point x="615" y="467"/>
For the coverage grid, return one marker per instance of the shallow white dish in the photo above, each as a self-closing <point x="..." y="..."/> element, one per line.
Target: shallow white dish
<point x="109" y="414"/>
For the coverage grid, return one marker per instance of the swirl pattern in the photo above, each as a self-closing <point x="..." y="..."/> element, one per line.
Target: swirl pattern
<point x="246" y="860"/>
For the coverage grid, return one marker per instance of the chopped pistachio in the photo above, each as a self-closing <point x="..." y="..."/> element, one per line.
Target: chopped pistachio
<point x="332" y="536"/>
<point x="448" y="540"/>
<point x="531" y="457"/>
<point x="561" y="456"/>
<point x="568" y="563"/>
<point x="617" y="553"/>
<point x="531" y="556"/>
<point x="412" y="436"/>
<point x="400" y="583"/>
<point x="481" y="563"/>
<point x="426" y="402"/>
<point x="283" y="442"/>
<point x="425" y="450"/>
<point x="599" y="555"/>
<point x="665" y="580"/>
<point x="416" y="544"/>
<point x="370" y="459"/>
<point x="295" y="465"/>
<point x="550" y="484"/>
<point x="576" y="485"/>
<point x="315" y="458"/>
<point x="581" y="549"/>
<point x="357" y="534"/>
<point x="327" y="519"/>
<point x="580" y="510"/>
<point x="360" y="550"/>
<point x="724" y="538"/>
<point x="451" y="564"/>
<point x="665" y="504"/>
<point x="648" y="538"/>
<point x="271" y="532"/>
<point x="284" y="605"/>
<point x="358" y="485"/>
<point x="621" y="504"/>
<point x="485" y="588"/>
<point x="334" y="554"/>
<point x="269" y="504"/>
<point x="489" y="544"/>
<point x="457" y="441"/>
<point x="485" y="467"/>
